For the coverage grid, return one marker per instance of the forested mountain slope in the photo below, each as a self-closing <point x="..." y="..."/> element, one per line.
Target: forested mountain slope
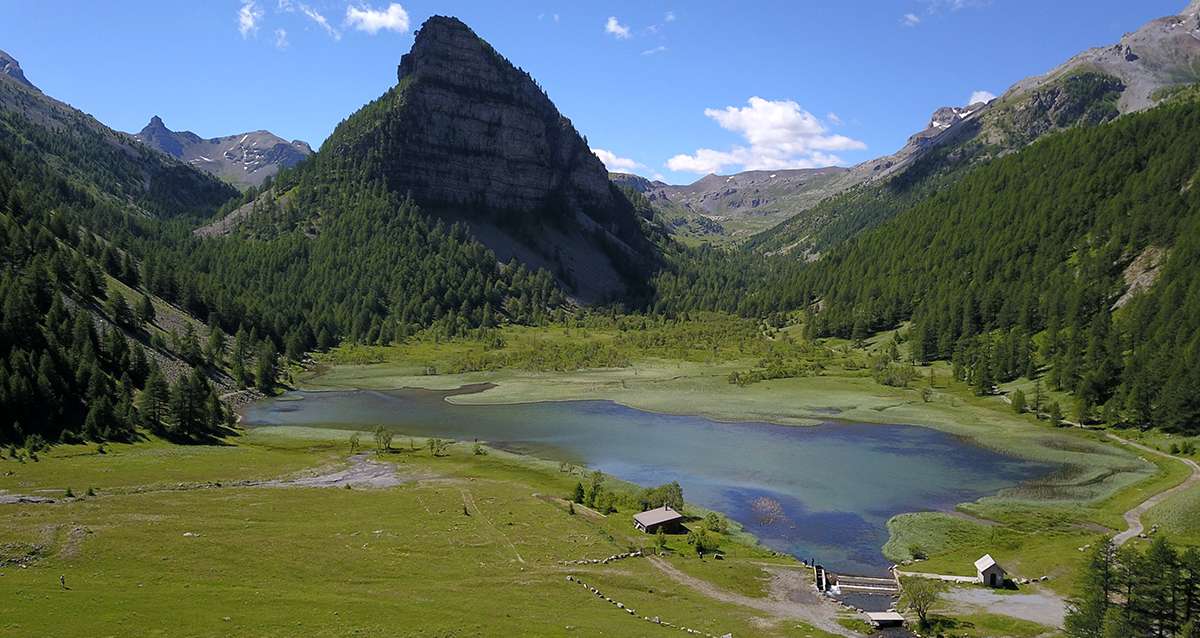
<point x="80" y="150"/>
<point x="101" y="280"/>
<point x="1049" y="239"/>
<point x="79" y="331"/>
<point x="1093" y="87"/>
<point x="471" y="139"/>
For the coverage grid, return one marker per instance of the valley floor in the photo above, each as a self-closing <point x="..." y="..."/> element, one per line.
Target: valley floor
<point x="1034" y="530"/>
<point x="286" y="532"/>
<point x="289" y="531"/>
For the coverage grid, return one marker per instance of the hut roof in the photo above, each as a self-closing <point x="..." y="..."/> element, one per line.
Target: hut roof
<point x="986" y="562"/>
<point x="657" y="516"/>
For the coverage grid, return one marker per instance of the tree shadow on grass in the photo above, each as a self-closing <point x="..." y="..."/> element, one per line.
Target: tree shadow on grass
<point x="939" y="625"/>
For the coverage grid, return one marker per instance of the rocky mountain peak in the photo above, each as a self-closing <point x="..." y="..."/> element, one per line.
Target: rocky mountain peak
<point x="245" y="159"/>
<point x="468" y="134"/>
<point x="463" y="101"/>
<point x="157" y="135"/>
<point x="10" y="67"/>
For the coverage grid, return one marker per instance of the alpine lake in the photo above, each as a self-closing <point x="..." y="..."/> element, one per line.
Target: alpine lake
<point x="821" y="492"/>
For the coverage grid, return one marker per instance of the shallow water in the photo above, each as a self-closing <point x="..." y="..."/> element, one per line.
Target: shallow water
<point x="836" y="484"/>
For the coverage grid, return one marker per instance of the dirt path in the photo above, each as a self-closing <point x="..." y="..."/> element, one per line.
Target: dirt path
<point x="791" y="597"/>
<point x="1041" y="607"/>
<point x="1133" y="518"/>
<point x="362" y="472"/>
<point x="469" y="504"/>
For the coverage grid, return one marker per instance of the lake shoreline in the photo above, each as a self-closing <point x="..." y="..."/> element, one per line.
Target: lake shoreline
<point x="922" y="467"/>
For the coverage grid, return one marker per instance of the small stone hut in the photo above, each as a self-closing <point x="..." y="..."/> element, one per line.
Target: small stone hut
<point x="991" y="574"/>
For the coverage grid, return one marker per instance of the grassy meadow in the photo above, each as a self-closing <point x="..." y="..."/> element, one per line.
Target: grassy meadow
<point x="174" y="541"/>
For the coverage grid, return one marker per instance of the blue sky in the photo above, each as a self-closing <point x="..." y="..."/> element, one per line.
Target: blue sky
<point x="666" y="88"/>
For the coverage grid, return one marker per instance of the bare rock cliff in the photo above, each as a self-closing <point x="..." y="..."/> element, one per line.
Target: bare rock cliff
<point x="465" y="102"/>
<point x="474" y="139"/>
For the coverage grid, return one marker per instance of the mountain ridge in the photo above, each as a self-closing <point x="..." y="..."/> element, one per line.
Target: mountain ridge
<point x="12" y="68"/>
<point x="244" y="159"/>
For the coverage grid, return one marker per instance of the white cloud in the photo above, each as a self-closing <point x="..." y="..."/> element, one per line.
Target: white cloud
<point x="669" y="17"/>
<point x="248" y="18"/>
<point x="834" y="119"/>
<point x="286" y="6"/>
<point x="955" y="5"/>
<point x="780" y="135"/>
<point x="981" y="96"/>
<point x="658" y="49"/>
<point x="617" y="164"/>
<point x="316" y="16"/>
<point x="614" y="27"/>
<point x="281" y="40"/>
<point x="910" y="20"/>
<point x="394" y="18"/>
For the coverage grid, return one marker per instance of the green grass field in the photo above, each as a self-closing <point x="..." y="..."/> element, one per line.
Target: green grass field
<point x="161" y="549"/>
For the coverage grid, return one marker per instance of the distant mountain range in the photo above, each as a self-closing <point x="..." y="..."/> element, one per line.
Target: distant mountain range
<point x="244" y="159"/>
<point x="737" y="205"/>
<point x="1095" y="86"/>
<point x="110" y="166"/>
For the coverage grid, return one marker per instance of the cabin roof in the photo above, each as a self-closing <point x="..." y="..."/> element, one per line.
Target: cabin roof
<point x="657" y="516"/>
<point x="987" y="562"/>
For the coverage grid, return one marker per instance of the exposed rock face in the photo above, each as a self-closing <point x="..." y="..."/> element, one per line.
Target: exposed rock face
<point x="245" y="159"/>
<point x="10" y="67"/>
<point x="464" y="100"/>
<point x="1084" y="98"/>
<point x="948" y="116"/>
<point x="472" y="138"/>
<point x="1120" y="78"/>
<point x="1162" y="53"/>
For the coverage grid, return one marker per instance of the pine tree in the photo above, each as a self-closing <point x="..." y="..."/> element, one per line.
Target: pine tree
<point x="155" y="399"/>
<point x="265" y="370"/>
<point x="118" y="309"/>
<point x="1018" y="401"/>
<point x="1088" y="609"/>
<point x="215" y="351"/>
<point x="145" y="310"/>
<point x="241" y="352"/>
<point x="189" y="408"/>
